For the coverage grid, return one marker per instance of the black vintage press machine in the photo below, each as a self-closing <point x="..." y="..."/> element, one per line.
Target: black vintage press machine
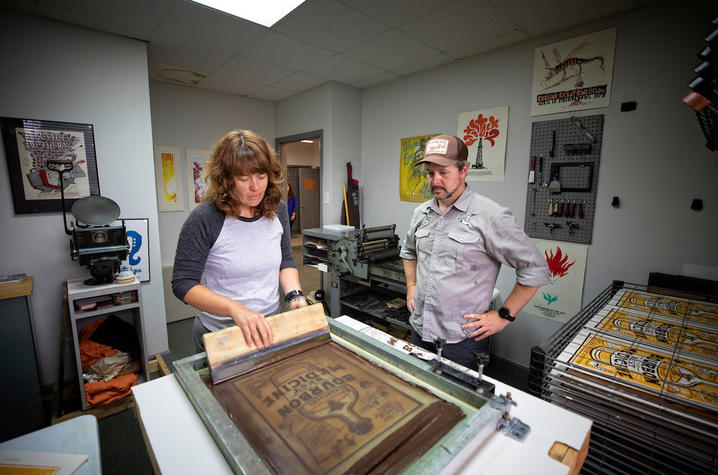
<point x="93" y="241"/>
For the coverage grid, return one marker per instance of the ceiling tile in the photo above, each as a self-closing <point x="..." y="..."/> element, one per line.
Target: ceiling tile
<point x="241" y="67"/>
<point x="386" y="76"/>
<point x="271" y="93"/>
<point x="142" y="14"/>
<point x="193" y="23"/>
<point x="83" y="19"/>
<point x="532" y="13"/>
<point x="165" y="50"/>
<point x="343" y="69"/>
<point x="562" y="22"/>
<point x="282" y="50"/>
<point x="215" y="82"/>
<point x="488" y="44"/>
<point x="424" y="64"/>
<point x="392" y="49"/>
<point x="458" y="24"/>
<point x="300" y="82"/>
<point x="396" y="12"/>
<point x="329" y="24"/>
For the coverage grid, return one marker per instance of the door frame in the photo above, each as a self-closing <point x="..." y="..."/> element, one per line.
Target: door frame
<point x="314" y="134"/>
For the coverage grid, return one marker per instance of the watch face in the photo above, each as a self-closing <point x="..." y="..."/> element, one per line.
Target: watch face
<point x="504" y="313"/>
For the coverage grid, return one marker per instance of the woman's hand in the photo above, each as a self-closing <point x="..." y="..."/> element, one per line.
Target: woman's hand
<point x="254" y="326"/>
<point x="298" y="302"/>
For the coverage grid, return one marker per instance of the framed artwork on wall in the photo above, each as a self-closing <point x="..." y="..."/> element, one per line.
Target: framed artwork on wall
<point x="30" y="147"/>
<point x="138" y="259"/>
<point x="170" y="196"/>
<point x="196" y="185"/>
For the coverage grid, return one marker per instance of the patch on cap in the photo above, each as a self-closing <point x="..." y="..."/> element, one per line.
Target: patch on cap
<point x="437" y="147"/>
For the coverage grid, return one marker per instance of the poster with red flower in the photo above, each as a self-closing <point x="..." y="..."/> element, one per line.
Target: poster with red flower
<point x="560" y="299"/>
<point x="484" y="133"/>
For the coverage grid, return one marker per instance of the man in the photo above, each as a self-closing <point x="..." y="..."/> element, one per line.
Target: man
<point x="453" y="251"/>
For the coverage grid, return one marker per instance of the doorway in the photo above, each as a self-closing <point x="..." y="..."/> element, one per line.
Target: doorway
<point x="300" y="157"/>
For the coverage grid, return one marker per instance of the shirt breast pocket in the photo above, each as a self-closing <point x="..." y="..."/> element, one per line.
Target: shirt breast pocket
<point x="421" y="237"/>
<point x="465" y="247"/>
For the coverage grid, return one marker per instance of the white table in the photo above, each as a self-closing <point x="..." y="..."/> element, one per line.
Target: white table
<point x="73" y="436"/>
<point x="179" y="443"/>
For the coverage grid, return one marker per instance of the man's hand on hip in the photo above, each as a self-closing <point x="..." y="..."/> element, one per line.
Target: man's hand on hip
<point x="482" y="325"/>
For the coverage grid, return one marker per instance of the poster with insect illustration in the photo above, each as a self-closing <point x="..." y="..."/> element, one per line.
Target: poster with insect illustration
<point x="413" y="185"/>
<point x="484" y="133"/>
<point x="560" y="299"/>
<point x="574" y="74"/>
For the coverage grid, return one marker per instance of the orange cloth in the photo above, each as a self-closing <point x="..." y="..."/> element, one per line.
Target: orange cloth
<point x="89" y="350"/>
<point x="100" y="392"/>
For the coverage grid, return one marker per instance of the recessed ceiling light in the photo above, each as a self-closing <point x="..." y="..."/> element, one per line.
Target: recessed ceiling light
<point x="307" y="141"/>
<point x="265" y="12"/>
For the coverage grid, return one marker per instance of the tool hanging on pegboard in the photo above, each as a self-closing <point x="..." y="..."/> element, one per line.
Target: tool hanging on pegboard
<point x="563" y="178"/>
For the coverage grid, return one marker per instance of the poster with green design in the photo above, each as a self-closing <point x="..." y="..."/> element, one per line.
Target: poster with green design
<point x="560" y="299"/>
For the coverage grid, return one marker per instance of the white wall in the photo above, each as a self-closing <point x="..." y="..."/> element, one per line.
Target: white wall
<point x="191" y="118"/>
<point x="53" y="71"/>
<point x="653" y="158"/>
<point x="336" y="109"/>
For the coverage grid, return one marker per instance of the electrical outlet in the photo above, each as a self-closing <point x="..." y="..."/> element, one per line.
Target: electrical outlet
<point x="326" y="198"/>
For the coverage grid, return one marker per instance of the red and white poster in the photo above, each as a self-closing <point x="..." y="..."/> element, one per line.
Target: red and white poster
<point x="484" y="133"/>
<point x="560" y="299"/>
<point x="574" y="74"/>
<point x="196" y="184"/>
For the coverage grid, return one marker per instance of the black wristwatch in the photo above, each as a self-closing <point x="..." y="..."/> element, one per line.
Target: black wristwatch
<point x="505" y="314"/>
<point x="293" y="295"/>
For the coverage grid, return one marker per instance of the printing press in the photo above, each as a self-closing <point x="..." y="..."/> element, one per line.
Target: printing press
<point x="342" y="407"/>
<point x="364" y="270"/>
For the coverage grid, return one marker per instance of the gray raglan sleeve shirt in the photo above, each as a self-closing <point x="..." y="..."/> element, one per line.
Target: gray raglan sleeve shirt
<point x="198" y="235"/>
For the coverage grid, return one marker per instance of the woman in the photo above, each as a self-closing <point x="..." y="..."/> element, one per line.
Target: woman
<point x="239" y="237"/>
<point x="291" y="205"/>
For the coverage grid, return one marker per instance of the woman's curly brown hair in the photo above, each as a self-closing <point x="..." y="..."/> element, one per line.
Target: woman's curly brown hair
<point x="241" y="153"/>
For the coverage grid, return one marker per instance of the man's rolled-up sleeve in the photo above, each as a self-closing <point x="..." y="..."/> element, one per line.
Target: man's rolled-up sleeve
<point x="508" y="243"/>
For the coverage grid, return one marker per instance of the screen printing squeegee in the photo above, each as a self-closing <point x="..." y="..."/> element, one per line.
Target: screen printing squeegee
<point x="229" y="355"/>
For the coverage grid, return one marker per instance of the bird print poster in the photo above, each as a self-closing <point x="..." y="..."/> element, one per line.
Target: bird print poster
<point x="484" y="133"/>
<point x="560" y="299"/>
<point x="574" y="74"/>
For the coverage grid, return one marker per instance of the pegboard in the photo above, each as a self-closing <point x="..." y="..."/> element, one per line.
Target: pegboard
<point x="567" y="156"/>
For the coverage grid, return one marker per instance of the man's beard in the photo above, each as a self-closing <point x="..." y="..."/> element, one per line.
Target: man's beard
<point x="448" y="195"/>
